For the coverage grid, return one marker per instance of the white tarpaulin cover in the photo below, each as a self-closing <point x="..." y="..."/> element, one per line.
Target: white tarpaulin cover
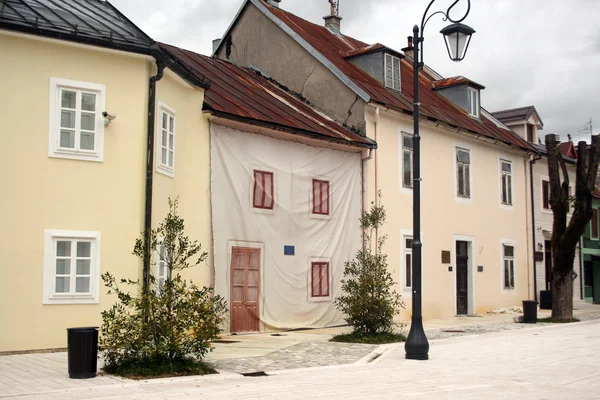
<point x="285" y="283"/>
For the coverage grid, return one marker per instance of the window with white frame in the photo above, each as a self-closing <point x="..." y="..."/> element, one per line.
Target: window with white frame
<point x="166" y="140"/>
<point x="407" y="273"/>
<point x="506" y="182"/>
<point x="162" y="272"/>
<point x="508" y="256"/>
<point x="392" y="72"/>
<point x="473" y="102"/>
<point x="319" y="279"/>
<point x="407" y="160"/>
<point x="463" y="169"/>
<point x="76" y="121"/>
<point x="72" y="261"/>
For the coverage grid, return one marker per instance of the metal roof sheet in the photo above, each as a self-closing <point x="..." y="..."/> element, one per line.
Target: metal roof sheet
<point x="90" y="21"/>
<point x="433" y="105"/>
<point x="455" y="80"/>
<point x="515" y="114"/>
<point x="247" y="94"/>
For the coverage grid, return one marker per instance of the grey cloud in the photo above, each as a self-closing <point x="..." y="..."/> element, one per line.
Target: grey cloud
<point x="533" y="52"/>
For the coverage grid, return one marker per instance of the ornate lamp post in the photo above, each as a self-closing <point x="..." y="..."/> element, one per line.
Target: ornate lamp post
<point x="457" y="37"/>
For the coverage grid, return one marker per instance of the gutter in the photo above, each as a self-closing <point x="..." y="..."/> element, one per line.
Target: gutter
<point x="531" y="162"/>
<point x="161" y="64"/>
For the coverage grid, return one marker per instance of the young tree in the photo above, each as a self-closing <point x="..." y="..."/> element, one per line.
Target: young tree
<point x="369" y="301"/>
<point x="566" y="236"/>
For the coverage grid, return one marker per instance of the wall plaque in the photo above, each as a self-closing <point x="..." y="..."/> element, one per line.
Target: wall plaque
<point x="445" y="257"/>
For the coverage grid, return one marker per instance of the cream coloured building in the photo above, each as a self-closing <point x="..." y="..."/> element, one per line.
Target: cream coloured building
<point x="475" y="195"/>
<point x="75" y="100"/>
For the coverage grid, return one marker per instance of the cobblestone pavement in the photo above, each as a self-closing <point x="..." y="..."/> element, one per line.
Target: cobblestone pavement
<point x="301" y="355"/>
<point x="543" y="362"/>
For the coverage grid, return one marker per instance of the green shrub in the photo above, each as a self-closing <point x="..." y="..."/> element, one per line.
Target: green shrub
<point x="370" y="302"/>
<point x="167" y="321"/>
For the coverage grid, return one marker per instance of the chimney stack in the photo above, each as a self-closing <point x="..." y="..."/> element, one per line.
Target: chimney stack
<point x="216" y="44"/>
<point x="333" y="20"/>
<point x="409" y="50"/>
<point x="274" y="3"/>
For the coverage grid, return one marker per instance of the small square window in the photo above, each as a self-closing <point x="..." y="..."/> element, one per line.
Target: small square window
<point x="165" y="158"/>
<point x="392" y="72"/>
<point x="321" y="197"/>
<point x="71" y="271"/>
<point x="263" y="190"/>
<point x="319" y="279"/>
<point x="76" y="122"/>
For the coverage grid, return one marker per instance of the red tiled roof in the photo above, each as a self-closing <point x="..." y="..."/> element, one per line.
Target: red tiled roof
<point x="245" y="93"/>
<point x="567" y="149"/>
<point x="433" y="105"/>
<point x="453" y="81"/>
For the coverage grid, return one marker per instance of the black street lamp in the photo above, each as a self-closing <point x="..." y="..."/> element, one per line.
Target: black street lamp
<point x="457" y="37"/>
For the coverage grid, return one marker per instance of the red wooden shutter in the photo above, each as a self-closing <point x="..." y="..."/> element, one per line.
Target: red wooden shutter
<point x="320" y="197"/>
<point x="263" y="190"/>
<point x="320" y="279"/>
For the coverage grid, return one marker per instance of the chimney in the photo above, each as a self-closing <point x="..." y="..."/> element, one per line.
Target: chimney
<point x="409" y="50"/>
<point x="332" y="22"/>
<point x="216" y="44"/>
<point x="273" y="3"/>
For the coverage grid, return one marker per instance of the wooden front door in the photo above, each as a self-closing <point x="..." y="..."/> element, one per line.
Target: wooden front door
<point x="462" y="278"/>
<point x="245" y="288"/>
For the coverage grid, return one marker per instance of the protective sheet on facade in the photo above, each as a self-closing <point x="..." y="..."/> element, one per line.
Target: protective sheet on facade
<point x="286" y="299"/>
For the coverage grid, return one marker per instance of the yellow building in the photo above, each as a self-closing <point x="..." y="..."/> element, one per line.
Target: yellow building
<point x="99" y="130"/>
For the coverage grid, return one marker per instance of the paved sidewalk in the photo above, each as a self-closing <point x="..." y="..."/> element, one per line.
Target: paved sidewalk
<point x="543" y="362"/>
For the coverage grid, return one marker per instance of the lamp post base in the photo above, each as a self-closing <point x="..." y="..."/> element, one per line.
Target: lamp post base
<point x="416" y="346"/>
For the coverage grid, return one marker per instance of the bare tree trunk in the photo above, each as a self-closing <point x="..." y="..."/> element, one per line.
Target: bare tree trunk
<point x="562" y="286"/>
<point x="566" y="236"/>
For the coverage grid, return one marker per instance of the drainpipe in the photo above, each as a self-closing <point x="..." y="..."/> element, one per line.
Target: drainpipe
<point x="531" y="162"/>
<point x="161" y="63"/>
<point x="580" y="269"/>
<point x="376" y="157"/>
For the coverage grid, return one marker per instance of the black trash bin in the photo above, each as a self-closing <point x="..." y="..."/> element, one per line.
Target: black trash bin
<point x="83" y="352"/>
<point x="545" y="300"/>
<point x="530" y="311"/>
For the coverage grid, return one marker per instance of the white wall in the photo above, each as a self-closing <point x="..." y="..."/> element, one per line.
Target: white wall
<point x="285" y="293"/>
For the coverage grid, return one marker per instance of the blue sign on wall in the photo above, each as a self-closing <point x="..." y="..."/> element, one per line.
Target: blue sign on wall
<point x="289" y="250"/>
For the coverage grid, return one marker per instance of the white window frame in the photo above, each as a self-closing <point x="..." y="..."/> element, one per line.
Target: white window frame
<point x="311" y="214"/>
<point x="503" y="177"/>
<point x="54" y="149"/>
<point x="542" y="209"/>
<point x="323" y="299"/>
<point x="474" y="103"/>
<point x="406" y="286"/>
<point x="411" y="150"/>
<point x="466" y="199"/>
<point x="267" y="211"/>
<point x="394" y="84"/>
<point x="158" y="261"/>
<point x="161" y="167"/>
<point x="51" y="237"/>
<point x="511" y="243"/>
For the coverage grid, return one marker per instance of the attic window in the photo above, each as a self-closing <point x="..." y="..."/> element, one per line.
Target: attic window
<point x="392" y="72"/>
<point x="473" y="102"/>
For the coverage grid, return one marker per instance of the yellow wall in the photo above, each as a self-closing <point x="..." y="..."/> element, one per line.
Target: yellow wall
<point x="191" y="179"/>
<point x="443" y="217"/>
<point x="39" y="192"/>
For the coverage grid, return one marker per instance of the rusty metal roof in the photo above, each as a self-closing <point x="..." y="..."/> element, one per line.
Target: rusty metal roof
<point x="244" y="93"/>
<point x="433" y="105"/>
<point x="370" y="49"/>
<point x="515" y="114"/>
<point x="453" y="81"/>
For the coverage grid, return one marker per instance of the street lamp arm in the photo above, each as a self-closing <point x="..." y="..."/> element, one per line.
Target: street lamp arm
<point x="445" y="16"/>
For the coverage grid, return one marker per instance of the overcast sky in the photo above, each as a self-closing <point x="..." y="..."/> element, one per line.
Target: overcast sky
<point x="525" y="52"/>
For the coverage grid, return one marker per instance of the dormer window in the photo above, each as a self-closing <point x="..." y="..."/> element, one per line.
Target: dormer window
<point x="392" y="72"/>
<point x="473" y="102"/>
